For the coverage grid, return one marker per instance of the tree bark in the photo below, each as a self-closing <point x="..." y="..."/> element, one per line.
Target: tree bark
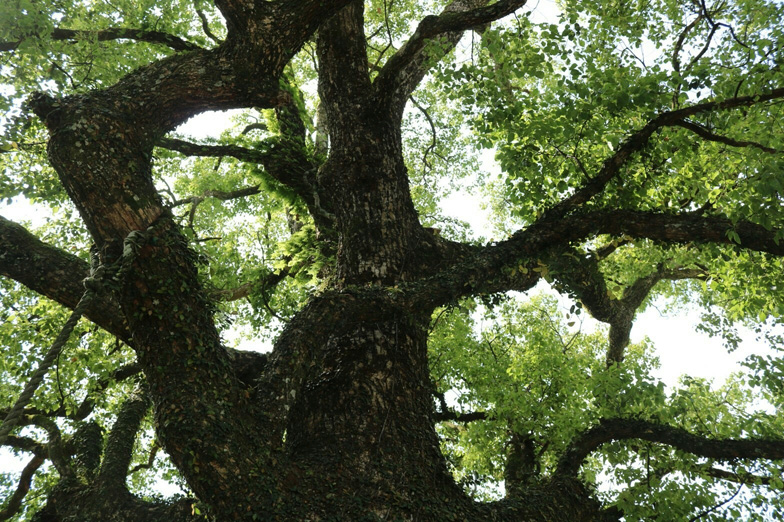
<point x="339" y="421"/>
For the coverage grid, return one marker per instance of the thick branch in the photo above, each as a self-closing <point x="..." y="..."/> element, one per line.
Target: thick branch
<point x="58" y="275"/>
<point x="56" y="451"/>
<point x="115" y="33"/>
<point x="633" y="296"/>
<point x="343" y="67"/>
<point x="514" y="264"/>
<point x="679" y="228"/>
<point x="55" y="274"/>
<point x="119" y="446"/>
<point x="288" y="21"/>
<point x="673" y="228"/>
<point x="620" y="429"/>
<point x="24" y="443"/>
<point x="195" y="149"/>
<point x="522" y="464"/>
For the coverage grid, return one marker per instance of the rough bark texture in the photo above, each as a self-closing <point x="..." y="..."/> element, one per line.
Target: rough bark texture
<point x="339" y="423"/>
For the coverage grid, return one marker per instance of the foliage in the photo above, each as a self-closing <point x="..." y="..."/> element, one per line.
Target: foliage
<point x="556" y="98"/>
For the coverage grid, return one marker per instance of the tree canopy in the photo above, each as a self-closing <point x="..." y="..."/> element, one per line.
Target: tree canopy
<point x="284" y="320"/>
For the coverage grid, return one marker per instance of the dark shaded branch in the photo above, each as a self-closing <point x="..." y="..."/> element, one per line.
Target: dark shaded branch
<point x="55" y="448"/>
<point x="343" y="65"/>
<point x="55" y="274"/>
<point x="195" y="149"/>
<point x="205" y="24"/>
<point x="404" y="70"/>
<point x="581" y="276"/>
<point x="115" y="33"/>
<point x="58" y="275"/>
<point x="86" y="446"/>
<point x="447" y="414"/>
<point x="219" y="194"/>
<point x="716" y="506"/>
<point x="522" y="465"/>
<point x="244" y="290"/>
<point x="24" y="443"/>
<point x="676" y="61"/>
<point x="512" y="264"/>
<point x="604" y="251"/>
<point x="87" y="405"/>
<point x="679" y="228"/>
<point x="704" y="49"/>
<point x="433" y="134"/>
<point x="285" y="164"/>
<point x="639" y="140"/>
<point x="673" y="228"/>
<point x="620" y="429"/>
<point x="633" y="296"/>
<point x="119" y="445"/>
<point x="706" y="134"/>
<point x="450" y="415"/>
<point x="740" y="478"/>
<point x="299" y="19"/>
<point x="290" y="119"/>
<point x="150" y="460"/>
<point x="14" y="503"/>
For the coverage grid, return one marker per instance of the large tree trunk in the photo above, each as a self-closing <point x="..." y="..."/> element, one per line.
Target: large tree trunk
<point x="340" y="424"/>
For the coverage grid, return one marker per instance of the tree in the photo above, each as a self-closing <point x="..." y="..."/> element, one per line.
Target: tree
<point x="641" y="154"/>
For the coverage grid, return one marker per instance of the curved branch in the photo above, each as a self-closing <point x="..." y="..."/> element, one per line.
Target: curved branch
<point x="514" y="264"/>
<point x="115" y="33"/>
<point x="285" y="164"/>
<point x="676" y="60"/>
<point x="620" y="429"/>
<point x="24" y="443"/>
<point x="14" y="503"/>
<point x="205" y="24"/>
<point x="707" y="135"/>
<point x="581" y="276"/>
<point x="119" y="445"/>
<point x="404" y="70"/>
<point x="639" y="139"/>
<point x="55" y="274"/>
<point x="57" y="453"/>
<point x="433" y="134"/>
